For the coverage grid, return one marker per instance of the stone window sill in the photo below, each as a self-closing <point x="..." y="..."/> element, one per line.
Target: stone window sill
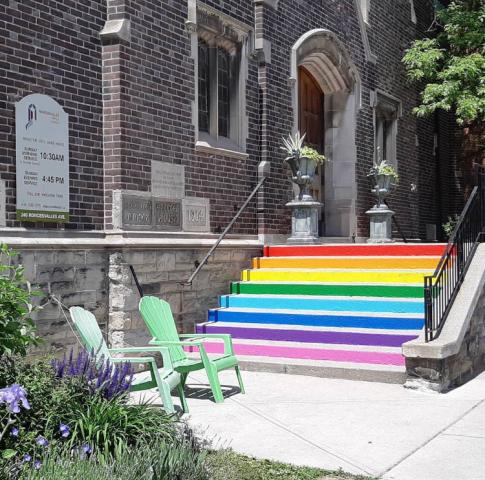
<point x="221" y="146"/>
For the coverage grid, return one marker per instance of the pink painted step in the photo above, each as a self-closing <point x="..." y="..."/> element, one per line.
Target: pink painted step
<point x="376" y="358"/>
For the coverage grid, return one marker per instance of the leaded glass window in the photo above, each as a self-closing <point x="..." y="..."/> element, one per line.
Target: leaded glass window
<point x="204" y="86"/>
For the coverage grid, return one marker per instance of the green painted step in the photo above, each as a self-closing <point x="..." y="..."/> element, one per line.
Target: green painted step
<point x="264" y="288"/>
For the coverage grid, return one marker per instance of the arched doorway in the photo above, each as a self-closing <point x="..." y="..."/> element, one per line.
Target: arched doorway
<point x="328" y="66"/>
<point x="311" y="122"/>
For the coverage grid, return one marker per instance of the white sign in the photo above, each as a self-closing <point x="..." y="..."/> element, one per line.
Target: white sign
<point x="42" y="151"/>
<point x="168" y="180"/>
<point x="3" y="201"/>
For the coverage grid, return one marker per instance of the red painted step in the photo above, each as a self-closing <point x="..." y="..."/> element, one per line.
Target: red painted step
<point x="400" y="250"/>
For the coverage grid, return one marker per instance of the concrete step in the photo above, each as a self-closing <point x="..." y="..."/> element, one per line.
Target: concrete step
<point x="425" y="262"/>
<point x="326" y="369"/>
<point x="394" y="321"/>
<point x="336" y="275"/>
<point x="330" y="289"/>
<point x="307" y="335"/>
<point x="396" y="249"/>
<point x="309" y="302"/>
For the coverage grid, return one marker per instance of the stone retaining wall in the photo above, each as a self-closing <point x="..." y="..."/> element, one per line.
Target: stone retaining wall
<point x="99" y="279"/>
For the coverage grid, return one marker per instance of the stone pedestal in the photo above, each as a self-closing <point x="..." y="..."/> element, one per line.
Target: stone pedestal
<point x="304" y="222"/>
<point x="380" y="224"/>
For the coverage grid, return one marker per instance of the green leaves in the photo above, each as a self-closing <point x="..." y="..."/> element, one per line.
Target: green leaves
<point x="17" y="330"/>
<point x="452" y="64"/>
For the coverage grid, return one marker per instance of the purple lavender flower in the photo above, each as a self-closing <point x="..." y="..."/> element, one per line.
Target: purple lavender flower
<point x="41" y="441"/>
<point x="37" y="464"/>
<point x="14" y="432"/>
<point x="64" y="430"/>
<point x="26" y="458"/>
<point x="12" y="397"/>
<point x="99" y="374"/>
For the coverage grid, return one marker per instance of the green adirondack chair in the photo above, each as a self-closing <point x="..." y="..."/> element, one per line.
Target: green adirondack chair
<point x="159" y="319"/>
<point x="165" y="380"/>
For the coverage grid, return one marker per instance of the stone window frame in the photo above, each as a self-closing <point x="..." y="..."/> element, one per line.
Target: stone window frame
<point x="221" y="31"/>
<point x="387" y="108"/>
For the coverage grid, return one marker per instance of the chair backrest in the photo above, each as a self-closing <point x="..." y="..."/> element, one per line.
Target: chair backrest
<point x="158" y="318"/>
<point x="88" y="329"/>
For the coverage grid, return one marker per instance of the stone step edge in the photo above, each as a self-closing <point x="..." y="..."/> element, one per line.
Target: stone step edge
<point x="327" y="313"/>
<point x="275" y="326"/>
<point x="316" y="346"/>
<point x="325" y="369"/>
<point x="325" y="297"/>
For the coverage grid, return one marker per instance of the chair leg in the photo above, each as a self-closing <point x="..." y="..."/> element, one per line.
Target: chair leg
<point x="215" y="384"/>
<point x="239" y="379"/>
<point x="183" y="400"/>
<point x="164" y="390"/>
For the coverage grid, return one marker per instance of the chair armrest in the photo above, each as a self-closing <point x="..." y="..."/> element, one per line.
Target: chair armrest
<point x="132" y="359"/>
<point x="228" y="347"/>
<point x="167" y="360"/>
<point x="199" y="345"/>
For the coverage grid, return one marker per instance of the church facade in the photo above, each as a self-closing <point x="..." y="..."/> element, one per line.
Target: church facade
<point x="176" y="109"/>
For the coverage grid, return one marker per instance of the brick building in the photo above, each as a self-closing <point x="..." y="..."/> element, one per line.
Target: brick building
<point x="211" y="86"/>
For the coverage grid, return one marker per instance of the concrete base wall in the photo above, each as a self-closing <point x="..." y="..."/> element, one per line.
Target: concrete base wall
<point x="93" y="272"/>
<point x="458" y="354"/>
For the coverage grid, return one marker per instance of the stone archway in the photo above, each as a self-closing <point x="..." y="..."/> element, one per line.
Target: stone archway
<point x="324" y="56"/>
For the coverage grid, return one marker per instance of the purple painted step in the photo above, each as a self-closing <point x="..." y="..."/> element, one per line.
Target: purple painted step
<point x="308" y="336"/>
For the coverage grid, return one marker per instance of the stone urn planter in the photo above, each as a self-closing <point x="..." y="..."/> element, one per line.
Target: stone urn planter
<point x="305" y="211"/>
<point x="385" y="179"/>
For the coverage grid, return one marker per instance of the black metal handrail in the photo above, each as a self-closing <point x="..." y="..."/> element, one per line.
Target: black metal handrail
<point x="200" y="265"/>
<point x="441" y="288"/>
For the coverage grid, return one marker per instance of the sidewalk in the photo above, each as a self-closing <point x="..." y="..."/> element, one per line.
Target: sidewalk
<point x="372" y="429"/>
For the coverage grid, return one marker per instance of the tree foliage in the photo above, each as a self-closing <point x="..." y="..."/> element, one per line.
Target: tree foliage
<point x="17" y="330"/>
<point x="452" y="63"/>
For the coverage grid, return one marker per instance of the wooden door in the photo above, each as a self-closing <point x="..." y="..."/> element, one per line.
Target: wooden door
<point x="311" y="122"/>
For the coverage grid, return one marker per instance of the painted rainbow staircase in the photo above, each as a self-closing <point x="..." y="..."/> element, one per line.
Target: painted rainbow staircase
<point x="329" y="310"/>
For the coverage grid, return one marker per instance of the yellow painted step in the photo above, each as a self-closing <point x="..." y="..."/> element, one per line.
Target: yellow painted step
<point x="335" y="276"/>
<point x="423" y="263"/>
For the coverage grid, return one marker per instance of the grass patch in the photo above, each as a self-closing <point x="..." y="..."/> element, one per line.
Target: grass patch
<point x="227" y="465"/>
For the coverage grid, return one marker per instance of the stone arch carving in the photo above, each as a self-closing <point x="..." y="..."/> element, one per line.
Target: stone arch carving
<point x="326" y="58"/>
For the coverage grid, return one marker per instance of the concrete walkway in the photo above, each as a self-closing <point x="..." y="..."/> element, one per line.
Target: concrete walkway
<point x="374" y="429"/>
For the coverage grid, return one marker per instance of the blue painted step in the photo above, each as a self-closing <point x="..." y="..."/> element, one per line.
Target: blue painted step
<point x="320" y="303"/>
<point x="321" y="319"/>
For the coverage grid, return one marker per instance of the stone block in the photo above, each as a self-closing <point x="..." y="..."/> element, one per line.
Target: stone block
<point x="196" y="214"/>
<point x="55" y="274"/>
<point x="168" y="180"/>
<point x="167" y="215"/>
<point x="70" y="258"/>
<point x="166" y="261"/>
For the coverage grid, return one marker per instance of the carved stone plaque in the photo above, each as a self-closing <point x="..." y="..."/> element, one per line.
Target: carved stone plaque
<point x="167" y="214"/>
<point x="3" y="201"/>
<point x="168" y="180"/>
<point x="196" y="214"/>
<point x="136" y="212"/>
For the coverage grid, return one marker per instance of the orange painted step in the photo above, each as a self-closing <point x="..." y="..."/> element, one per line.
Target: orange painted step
<point x="356" y="250"/>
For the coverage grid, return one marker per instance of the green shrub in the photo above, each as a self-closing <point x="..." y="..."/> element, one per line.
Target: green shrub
<point x="17" y="330"/>
<point x="178" y="459"/>
<point x="112" y="426"/>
